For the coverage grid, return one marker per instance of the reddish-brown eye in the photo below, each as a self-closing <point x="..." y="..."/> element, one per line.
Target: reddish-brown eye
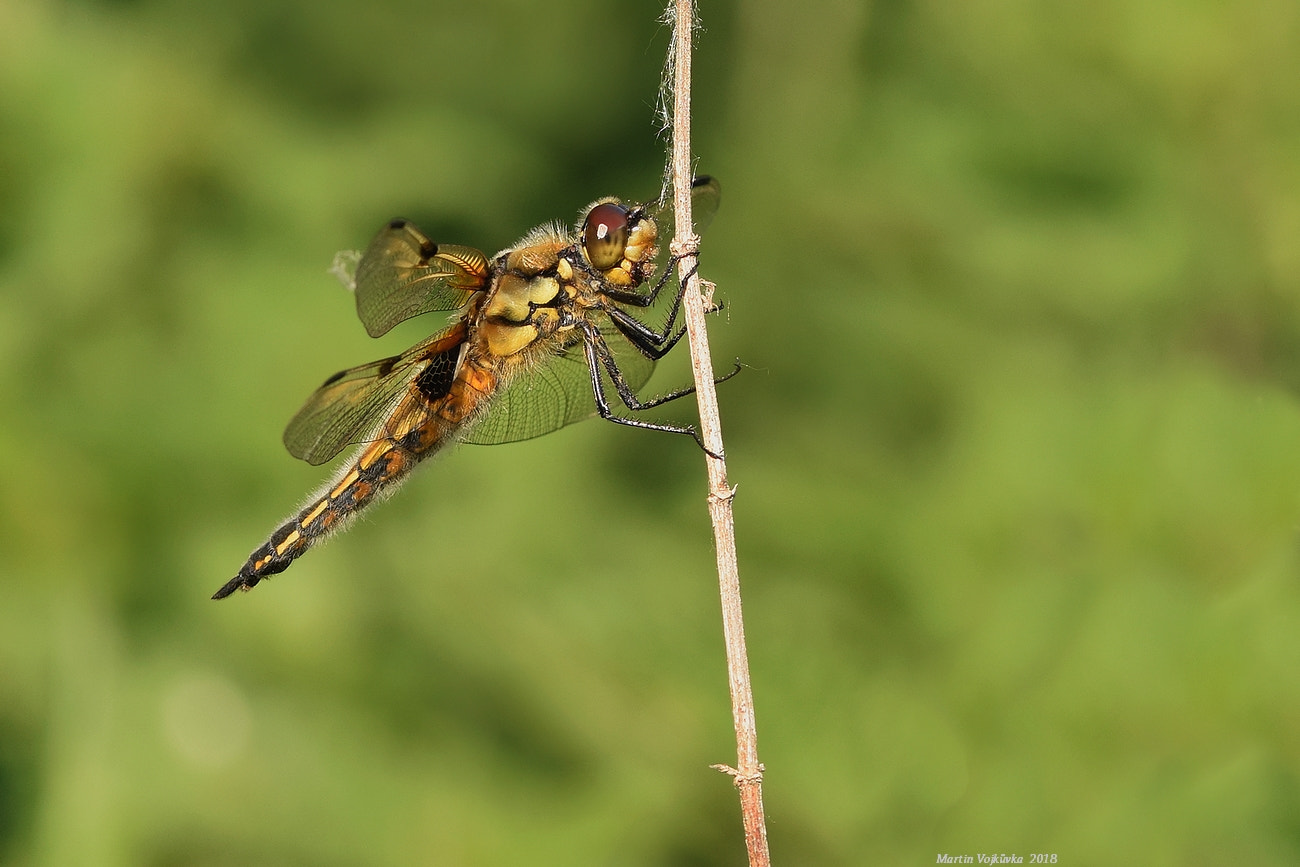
<point x="604" y="235"/>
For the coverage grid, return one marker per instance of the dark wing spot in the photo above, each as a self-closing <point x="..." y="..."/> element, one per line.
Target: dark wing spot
<point x="435" y="380"/>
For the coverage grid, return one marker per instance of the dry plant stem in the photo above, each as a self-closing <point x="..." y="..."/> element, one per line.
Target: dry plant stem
<point x="748" y="772"/>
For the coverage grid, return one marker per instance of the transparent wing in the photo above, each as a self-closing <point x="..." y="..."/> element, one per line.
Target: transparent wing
<point x="403" y="274"/>
<point x="706" y="195"/>
<point x="352" y="402"/>
<point x="557" y="393"/>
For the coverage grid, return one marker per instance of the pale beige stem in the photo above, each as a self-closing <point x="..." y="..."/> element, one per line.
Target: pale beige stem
<point x="748" y="772"/>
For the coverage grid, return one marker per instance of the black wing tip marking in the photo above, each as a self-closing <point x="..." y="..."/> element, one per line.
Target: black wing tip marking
<point x="428" y="249"/>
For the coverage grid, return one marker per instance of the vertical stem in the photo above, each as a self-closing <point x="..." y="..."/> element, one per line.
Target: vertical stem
<point x="748" y="772"/>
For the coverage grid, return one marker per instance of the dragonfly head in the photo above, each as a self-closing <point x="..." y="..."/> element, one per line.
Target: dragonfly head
<point x="618" y="240"/>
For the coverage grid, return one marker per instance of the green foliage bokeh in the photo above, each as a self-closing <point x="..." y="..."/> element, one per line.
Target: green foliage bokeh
<point x="1017" y="445"/>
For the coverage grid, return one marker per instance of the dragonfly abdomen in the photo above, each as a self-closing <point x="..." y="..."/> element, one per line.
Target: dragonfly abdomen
<point x="373" y="474"/>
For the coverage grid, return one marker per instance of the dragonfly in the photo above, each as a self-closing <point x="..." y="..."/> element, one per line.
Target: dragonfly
<point x="541" y="332"/>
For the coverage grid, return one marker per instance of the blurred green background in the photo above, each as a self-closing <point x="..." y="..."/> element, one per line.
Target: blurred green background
<point x="1018" y="451"/>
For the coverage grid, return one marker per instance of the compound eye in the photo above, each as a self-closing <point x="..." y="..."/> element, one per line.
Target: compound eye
<point x="604" y="235"/>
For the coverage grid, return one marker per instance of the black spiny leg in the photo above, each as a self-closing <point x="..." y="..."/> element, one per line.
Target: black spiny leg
<point x="636" y="299"/>
<point x="647" y="341"/>
<point x="600" y="358"/>
<point x="651" y="343"/>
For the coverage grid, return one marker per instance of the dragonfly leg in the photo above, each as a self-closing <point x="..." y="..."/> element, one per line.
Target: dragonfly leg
<point x="648" y="342"/>
<point x="647" y="299"/>
<point x="651" y="343"/>
<point x="600" y="358"/>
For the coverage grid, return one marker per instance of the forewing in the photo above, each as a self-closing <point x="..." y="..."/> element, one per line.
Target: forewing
<point x="706" y="195"/>
<point x="557" y="393"/>
<point x="352" y="402"/>
<point x="403" y="274"/>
